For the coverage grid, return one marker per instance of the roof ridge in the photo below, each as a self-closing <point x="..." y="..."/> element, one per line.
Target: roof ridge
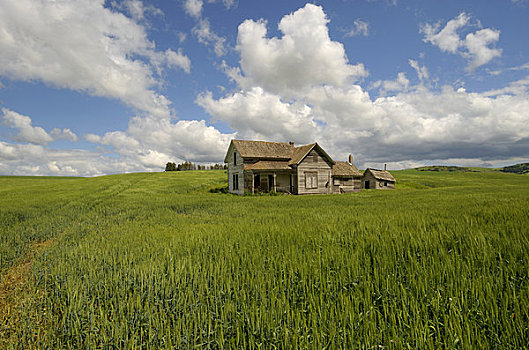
<point x="308" y="144"/>
<point x="382" y="174"/>
<point x="285" y="143"/>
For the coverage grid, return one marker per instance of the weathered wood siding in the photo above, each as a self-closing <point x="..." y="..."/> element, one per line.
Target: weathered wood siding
<point x="235" y="169"/>
<point x="347" y="185"/>
<point x="385" y="185"/>
<point x="372" y="181"/>
<point x="314" y="162"/>
<point x="248" y="182"/>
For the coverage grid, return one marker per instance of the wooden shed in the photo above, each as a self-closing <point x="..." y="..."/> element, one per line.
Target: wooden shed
<point x="346" y="177"/>
<point x="378" y="179"/>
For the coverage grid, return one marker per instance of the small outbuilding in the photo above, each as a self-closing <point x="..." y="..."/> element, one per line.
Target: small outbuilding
<point x="346" y="177"/>
<point x="378" y="179"/>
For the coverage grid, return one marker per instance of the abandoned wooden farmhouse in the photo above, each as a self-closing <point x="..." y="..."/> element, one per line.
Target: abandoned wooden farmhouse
<point x="259" y="166"/>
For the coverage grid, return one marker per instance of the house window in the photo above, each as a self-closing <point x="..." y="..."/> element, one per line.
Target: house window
<point x="311" y="180"/>
<point x="235" y="181"/>
<point x="385" y="184"/>
<point x="234" y="158"/>
<point x="336" y="182"/>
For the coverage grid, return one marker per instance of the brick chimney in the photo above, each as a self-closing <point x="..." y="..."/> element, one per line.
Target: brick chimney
<point x="351" y="159"/>
<point x="385" y="167"/>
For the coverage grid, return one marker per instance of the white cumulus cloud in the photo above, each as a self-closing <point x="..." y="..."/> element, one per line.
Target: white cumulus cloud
<point x="478" y="48"/>
<point x="207" y="37"/>
<point x="202" y="29"/>
<point x="136" y="8"/>
<point x="183" y="140"/>
<point x="261" y="115"/>
<point x="33" y="134"/>
<point x="447" y="39"/>
<point x="151" y="142"/>
<point x="81" y="45"/>
<point x="26" y="131"/>
<point x="65" y="134"/>
<point x="303" y="57"/>
<point x="399" y="84"/>
<point x="193" y="7"/>
<point x="475" y="46"/>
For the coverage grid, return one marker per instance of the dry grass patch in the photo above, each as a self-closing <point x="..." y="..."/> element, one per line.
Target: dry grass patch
<point x="16" y="293"/>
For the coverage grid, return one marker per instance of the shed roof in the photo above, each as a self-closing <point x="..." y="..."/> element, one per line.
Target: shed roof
<point x="345" y="169"/>
<point x="269" y="165"/>
<point x="263" y="149"/>
<point x="381" y="174"/>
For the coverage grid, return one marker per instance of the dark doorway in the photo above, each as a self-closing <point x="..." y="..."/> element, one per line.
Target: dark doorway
<point x="257" y="183"/>
<point x="366" y="185"/>
<point x="264" y="184"/>
<point x="270" y="182"/>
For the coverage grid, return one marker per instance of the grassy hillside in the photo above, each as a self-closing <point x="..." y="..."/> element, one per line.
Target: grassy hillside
<point x="522" y="168"/>
<point x="156" y="260"/>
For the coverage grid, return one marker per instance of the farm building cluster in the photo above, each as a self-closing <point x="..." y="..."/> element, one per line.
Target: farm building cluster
<point x="258" y="166"/>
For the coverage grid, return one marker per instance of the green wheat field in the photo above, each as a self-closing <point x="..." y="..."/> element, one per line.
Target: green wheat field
<point x="164" y="260"/>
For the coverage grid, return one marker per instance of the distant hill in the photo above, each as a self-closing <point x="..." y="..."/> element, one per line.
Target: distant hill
<point x="522" y="168"/>
<point x="446" y="168"/>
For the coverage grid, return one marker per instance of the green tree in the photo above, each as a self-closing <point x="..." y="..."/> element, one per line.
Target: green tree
<point x="170" y="166"/>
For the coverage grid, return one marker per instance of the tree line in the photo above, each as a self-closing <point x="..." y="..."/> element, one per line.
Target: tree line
<point x="171" y="166"/>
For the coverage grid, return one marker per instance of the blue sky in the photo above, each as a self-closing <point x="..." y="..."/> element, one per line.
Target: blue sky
<point x="92" y="87"/>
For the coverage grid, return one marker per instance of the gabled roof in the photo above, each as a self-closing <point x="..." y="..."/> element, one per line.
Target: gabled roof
<point x="280" y="151"/>
<point x="381" y="174"/>
<point x="302" y="151"/>
<point x="262" y="149"/>
<point x="345" y="169"/>
<point x="269" y="165"/>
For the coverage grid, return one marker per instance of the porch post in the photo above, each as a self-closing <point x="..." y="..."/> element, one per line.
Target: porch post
<point x="275" y="182"/>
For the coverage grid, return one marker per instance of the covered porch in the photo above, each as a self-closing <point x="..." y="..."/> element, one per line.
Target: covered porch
<point x="266" y="181"/>
<point x="270" y="176"/>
